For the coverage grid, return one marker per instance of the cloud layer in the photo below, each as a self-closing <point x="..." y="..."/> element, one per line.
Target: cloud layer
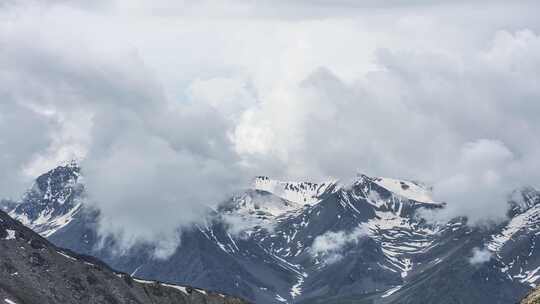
<point x="330" y="246"/>
<point x="480" y="256"/>
<point x="173" y="106"/>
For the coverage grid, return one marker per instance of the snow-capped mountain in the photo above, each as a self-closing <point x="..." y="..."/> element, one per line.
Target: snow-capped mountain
<point x="514" y="246"/>
<point x="52" y="202"/>
<point x="298" y="192"/>
<point x="303" y="242"/>
<point x="411" y="190"/>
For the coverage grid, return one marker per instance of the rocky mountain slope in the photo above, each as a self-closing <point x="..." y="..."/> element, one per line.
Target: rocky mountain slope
<point x="302" y="242"/>
<point x="532" y="298"/>
<point x="32" y="270"/>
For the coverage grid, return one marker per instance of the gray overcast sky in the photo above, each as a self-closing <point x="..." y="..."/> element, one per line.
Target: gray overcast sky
<point x="175" y="104"/>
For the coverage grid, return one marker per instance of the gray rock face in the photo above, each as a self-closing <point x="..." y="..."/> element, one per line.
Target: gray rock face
<point x="32" y="270"/>
<point x="285" y="242"/>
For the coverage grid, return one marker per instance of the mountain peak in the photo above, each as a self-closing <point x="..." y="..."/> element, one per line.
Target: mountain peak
<point x="303" y="192"/>
<point x="53" y="200"/>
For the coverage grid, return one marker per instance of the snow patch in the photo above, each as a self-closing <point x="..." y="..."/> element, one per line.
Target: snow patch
<point x="181" y="288"/>
<point x="399" y="238"/>
<point x="10" y="234"/>
<point x="296" y="289"/>
<point x="136" y="269"/>
<point x="280" y="298"/>
<point x="518" y="223"/>
<point x="391" y="291"/>
<point x="407" y="189"/>
<point x="47" y="224"/>
<point x="143" y="281"/>
<point x="67" y="256"/>
<point x="298" y="192"/>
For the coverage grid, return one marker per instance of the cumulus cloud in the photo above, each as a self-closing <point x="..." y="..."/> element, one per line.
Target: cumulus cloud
<point x="480" y="256"/>
<point x="430" y="116"/>
<point x="330" y="245"/>
<point x="171" y="112"/>
<point x="239" y="213"/>
<point x="150" y="165"/>
<point x="243" y="226"/>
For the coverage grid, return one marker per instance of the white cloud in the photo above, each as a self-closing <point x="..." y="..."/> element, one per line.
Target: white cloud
<point x="480" y="256"/>
<point x="181" y="110"/>
<point x="428" y="116"/>
<point x="330" y="245"/>
<point x="242" y="226"/>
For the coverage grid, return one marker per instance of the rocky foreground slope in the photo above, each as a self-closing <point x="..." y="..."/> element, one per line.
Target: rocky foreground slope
<point x="532" y="298"/>
<point x="33" y="271"/>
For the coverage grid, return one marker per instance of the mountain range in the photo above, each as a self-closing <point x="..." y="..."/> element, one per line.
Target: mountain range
<point x="304" y="242"/>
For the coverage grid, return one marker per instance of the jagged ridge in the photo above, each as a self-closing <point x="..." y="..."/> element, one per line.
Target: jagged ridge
<point x="260" y="245"/>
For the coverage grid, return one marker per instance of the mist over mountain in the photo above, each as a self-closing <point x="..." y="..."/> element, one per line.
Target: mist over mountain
<point x="309" y="151"/>
<point x="161" y="104"/>
<point x="35" y="271"/>
<point x="305" y="242"/>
